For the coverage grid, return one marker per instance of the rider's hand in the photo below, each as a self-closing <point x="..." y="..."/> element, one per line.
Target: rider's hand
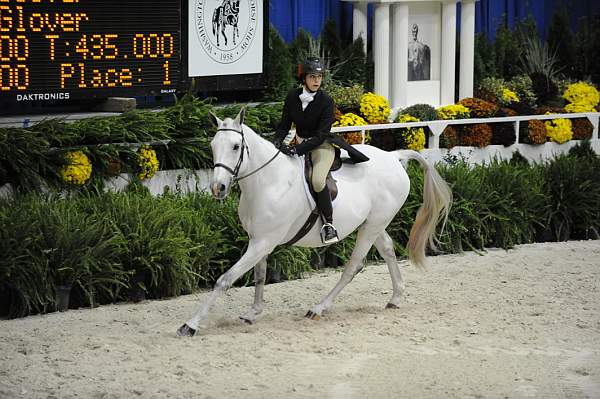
<point x="285" y="149"/>
<point x="291" y="151"/>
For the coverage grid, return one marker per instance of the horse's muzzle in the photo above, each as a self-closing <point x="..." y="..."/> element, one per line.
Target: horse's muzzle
<point x="219" y="190"/>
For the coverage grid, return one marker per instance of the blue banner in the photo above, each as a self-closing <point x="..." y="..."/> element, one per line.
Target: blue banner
<point x="290" y="15"/>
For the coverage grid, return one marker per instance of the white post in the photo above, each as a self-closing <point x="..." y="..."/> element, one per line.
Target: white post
<point x="467" y="48"/>
<point x="595" y="120"/>
<point x="359" y="22"/>
<point x="399" y="55"/>
<point x="381" y="49"/>
<point x="448" y="76"/>
<point x="436" y="127"/>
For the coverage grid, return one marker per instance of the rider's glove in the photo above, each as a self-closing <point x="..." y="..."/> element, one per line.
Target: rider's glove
<point x="284" y="148"/>
<point x="291" y="151"/>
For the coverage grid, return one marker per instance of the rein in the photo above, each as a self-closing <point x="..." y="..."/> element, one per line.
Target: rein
<point x="234" y="172"/>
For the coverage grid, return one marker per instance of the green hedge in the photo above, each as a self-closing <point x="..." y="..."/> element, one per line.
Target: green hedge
<point x="110" y="246"/>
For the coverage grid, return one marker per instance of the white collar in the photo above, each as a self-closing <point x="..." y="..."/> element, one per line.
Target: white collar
<point x="306" y="98"/>
<point x="306" y="93"/>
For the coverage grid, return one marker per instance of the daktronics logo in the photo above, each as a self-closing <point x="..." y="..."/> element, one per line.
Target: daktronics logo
<point x="42" y="96"/>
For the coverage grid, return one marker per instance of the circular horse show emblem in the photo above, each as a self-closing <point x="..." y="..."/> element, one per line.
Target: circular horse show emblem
<point x="226" y="28"/>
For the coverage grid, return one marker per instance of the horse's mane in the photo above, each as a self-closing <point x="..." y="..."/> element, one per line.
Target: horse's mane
<point x="230" y="123"/>
<point x="260" y="136"/>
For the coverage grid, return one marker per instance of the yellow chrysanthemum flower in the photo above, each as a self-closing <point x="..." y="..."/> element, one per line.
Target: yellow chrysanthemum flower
<point x="78" y="169"/>
<point x="413" y="137"/>
<point x="579" y="107"/>
<point x="453" y="111"/>
<point x="559" y="130"/>
<point x="350" y="119"/>
<point x="582" y="97"/>
<point x="147" y="162"/>
<point x="374" y="108"/>
<point x="509" y="96"/>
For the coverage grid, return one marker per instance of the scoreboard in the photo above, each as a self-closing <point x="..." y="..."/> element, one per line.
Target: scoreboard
<point x="66" y="49"/>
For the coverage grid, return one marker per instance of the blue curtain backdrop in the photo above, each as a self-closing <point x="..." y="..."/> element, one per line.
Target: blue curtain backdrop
<point x="289" y="15"/>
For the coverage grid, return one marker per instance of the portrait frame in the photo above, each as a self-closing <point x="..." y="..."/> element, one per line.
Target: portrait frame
<point x="428" y="17"/>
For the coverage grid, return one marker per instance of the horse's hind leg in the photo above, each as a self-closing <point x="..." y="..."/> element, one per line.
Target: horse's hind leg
<point x="260" y="274"/>
<point x="385" y="247"/>
<point x="364" y="241"/>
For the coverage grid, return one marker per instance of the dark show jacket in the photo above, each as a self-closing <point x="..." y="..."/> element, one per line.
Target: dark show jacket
<point x="313" y="124"/>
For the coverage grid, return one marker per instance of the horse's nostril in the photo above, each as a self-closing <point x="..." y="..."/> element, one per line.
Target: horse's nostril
<point x="222" y="187"/>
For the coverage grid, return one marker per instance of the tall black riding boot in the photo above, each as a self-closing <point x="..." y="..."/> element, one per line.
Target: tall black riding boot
<point x="328" y="232"/>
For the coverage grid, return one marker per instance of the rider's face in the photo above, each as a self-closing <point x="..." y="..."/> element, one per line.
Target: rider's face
<point x="313" y="81"/>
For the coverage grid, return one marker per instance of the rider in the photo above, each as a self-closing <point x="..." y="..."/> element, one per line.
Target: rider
<point x="312" y="110"/>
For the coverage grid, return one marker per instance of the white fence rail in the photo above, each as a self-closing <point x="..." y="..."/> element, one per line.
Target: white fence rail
<point x="533" y="152"/>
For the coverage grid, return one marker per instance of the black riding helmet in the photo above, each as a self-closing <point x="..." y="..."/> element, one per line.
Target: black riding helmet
<point x="311" y="65"/>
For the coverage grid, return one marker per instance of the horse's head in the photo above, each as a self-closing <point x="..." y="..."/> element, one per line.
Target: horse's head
<point x="228" y="147"/>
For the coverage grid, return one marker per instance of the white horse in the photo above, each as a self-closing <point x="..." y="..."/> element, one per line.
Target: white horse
<point x="274" y="206"/>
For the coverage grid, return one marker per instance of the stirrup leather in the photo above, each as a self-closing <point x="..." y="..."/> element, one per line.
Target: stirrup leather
<point x="331" y="238"/>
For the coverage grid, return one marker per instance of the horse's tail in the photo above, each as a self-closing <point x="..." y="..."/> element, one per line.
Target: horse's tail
<point x="437" y="199"/>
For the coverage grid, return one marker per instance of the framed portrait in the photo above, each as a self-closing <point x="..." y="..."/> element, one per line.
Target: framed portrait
<point x="424" y="52"/>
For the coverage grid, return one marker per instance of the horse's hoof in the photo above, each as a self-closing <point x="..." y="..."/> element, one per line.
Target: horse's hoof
<point x="391" y="306"/>
<point x="312" y="315"/>
<point x="186" y="331"/>
<point x="247" y="321"/>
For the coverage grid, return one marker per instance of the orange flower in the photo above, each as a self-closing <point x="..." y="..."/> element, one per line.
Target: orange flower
<point x="479" y="108"/>
<point x="353" y="137"/>
<point x="477" y="135"/>
<point x="449" y="137"/>
<point x="582" y="129"/>
<point x="536" y="132"/>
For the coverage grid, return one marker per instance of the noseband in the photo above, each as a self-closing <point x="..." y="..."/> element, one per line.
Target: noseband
<point x="234" y="172"/>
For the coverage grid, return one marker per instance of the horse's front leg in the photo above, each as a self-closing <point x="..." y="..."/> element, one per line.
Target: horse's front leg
<point x="260" y="274"/>
<point x="257" y="250"/>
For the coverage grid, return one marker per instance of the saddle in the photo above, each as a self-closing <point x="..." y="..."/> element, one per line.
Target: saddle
<point x="330" y="181"/>
<point x="333" y="191"/>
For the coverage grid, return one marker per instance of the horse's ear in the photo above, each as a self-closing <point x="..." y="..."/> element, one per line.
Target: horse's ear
<point x="215" y="119"/>
<point x="239" y="119"/>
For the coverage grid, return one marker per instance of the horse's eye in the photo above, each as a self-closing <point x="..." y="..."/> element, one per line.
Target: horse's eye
<point x="236" y="147"/>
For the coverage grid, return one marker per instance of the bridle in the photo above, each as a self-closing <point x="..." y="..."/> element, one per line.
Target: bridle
<point x="234" y="172"/>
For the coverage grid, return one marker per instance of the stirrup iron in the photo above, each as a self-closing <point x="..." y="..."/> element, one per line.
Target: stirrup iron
<point x="332" y="238"/>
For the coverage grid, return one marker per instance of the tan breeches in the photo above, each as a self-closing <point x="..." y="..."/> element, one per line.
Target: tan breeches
<point x="322" y="158"/>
